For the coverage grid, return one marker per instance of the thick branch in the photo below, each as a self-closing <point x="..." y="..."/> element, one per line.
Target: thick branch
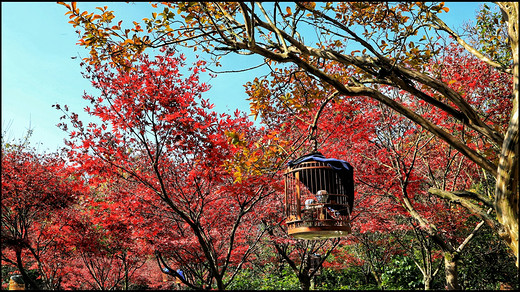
<point x="476" y="196"/>
<point x="442" y="26"/>
<point x="365" y="91"/>
<point x="468" y="205"/>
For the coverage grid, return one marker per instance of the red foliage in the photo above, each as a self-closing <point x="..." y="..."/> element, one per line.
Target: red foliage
<point x="37" y="192"/>
<point x="167" y="153"/>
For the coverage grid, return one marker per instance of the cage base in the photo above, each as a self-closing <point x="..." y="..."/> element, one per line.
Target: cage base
<point x="319" y="232"/>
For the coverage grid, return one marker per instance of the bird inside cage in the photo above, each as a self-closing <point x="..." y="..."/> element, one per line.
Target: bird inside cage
<point x="322" y="196"/>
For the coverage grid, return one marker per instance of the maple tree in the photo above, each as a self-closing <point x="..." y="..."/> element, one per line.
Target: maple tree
<point x="436" y="220"/>
<point x="156" y="132"/>
<point x="386" y="50"/>
<point x="106" y="241"/>
<point x="387" y="148"/>
<point x="38" y="190"/>
<point x="442" y="167"/>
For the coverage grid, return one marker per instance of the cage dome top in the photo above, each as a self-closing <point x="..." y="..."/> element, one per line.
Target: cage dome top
<point x="336" y="164"/>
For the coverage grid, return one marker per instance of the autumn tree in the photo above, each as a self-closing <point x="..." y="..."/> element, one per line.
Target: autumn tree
<point x="397" y="159"/>
<point x="369" y="44"/>
<point x="106" y="238"/>
<point x="381" y="143"/>
<point x="155" y="131"/>
<point x="38" y="191"/>
<point x="435" y="219"/>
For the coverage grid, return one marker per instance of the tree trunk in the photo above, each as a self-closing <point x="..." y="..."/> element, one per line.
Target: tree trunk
<point x="305" y="282"/>
<point x="29" y="283"/>
<point x="427" y="282"/>
<point x="378" y="279"/>
<point x="506" y="193"/>
<point x="450" y="267"/>
<point x="220" y="283"/>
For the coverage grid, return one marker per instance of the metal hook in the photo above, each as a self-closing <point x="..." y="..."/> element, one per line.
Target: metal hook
<point x="313" y="138"/>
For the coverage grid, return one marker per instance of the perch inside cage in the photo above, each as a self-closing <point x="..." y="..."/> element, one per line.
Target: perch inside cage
<point x="319" y="194"/>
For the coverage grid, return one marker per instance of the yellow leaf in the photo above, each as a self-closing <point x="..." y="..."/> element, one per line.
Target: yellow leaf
<point x="452" y="81"/>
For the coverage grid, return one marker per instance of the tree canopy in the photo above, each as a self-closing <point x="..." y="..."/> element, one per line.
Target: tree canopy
<point x="156" y="183"/>
<point x="358" y="49"/>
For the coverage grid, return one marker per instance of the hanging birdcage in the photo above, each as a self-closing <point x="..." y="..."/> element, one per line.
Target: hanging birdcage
<point x="319" y="194"/>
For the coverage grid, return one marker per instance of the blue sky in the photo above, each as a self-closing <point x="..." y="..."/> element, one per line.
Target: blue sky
<point x="38" y="71"/>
